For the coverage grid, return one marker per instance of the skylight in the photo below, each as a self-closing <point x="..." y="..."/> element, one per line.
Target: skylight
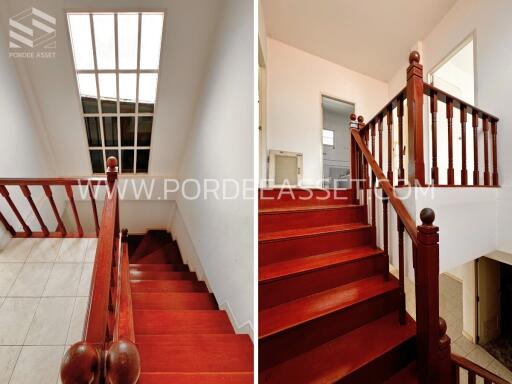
<point x="117" y="58"/>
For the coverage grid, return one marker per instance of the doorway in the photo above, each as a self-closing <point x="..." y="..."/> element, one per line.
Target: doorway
<point x="336" y="142"/>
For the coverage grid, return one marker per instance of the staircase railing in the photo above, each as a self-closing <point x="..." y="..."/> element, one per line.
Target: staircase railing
<point x="411" y="100"/>
<point x="474" y="371"/>
<point x="107" y="352"/>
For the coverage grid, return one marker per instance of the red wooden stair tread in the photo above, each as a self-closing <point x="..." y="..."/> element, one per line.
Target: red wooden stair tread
<point x="310" y="231"/>
<point x="407" y="375"/>
<point x="180" y="321"/>
<point x="161" y="275"/>
<point x="306" y="208"/>
<point x="292" y="313"/>
<point x="278" y="270"/>
<point x="173" y="300"/>
<point x="196" y="378"/>
<point x="343" y="355"/>
<point x="168" y="286"/>
<point x="159" y="267"/>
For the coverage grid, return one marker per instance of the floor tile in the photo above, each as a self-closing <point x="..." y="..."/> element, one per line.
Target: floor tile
<point x="76" y="327"/>
<point x="16" y="251"/>
<point x="51" y="321"/>
<point x="85" y="281"/>
<point x="8" y="274"/>
<point x="15" y="317"/>
<point x="38" y="364"/>
<point x="72" y="250"/>
<point x="480" y="356"/>
<point x="31" y="280"/>
<point x="64" y="279"/>
<point x="44" y="250"/>
<point x="8" y="357"/>
<point x="90" y="254"/>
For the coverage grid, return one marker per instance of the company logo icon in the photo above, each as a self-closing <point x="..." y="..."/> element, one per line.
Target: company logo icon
<point x="32" y="28"/>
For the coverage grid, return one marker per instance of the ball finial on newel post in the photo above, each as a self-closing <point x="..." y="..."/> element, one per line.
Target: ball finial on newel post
<point x="80" y="365"/>
<point x="353" y="117"/>
<point x="414" y="57"/>
<point x="111" y="163"/>
<point x="427" y="216"/>
<point x="360" y="119"/>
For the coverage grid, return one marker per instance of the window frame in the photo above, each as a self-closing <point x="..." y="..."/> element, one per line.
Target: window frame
<point x="116" y="71"/>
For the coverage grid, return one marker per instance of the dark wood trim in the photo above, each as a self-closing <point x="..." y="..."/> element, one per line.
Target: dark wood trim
<point x="463" y="120"/>
<point x="401" y="150"/>
<point x="494" y="132"/>
<point x="5" y="193"/>
<point x="476" y="174"/>
<point x="468" y="365"/>
<point x="433" y="112"/>
<point x="449" y="117"/>
<point x="487" y="175"/>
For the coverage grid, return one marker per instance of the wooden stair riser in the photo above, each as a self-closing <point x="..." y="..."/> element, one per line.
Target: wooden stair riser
<point x="269" y="222"/>
<point x="291" y="287"/>
<point x="160" y="267"/>
<point x="151" y="322"/>
<point x="159" y="275"/>
<point x="284" y="345"/>
<point x="195" y="378"/>
<point x="168" y="286"/>
<point x="152" y="241"/>
<point x="284" y="194"/>
<point x="168" y="301"/>
<point x="275" y="251"/>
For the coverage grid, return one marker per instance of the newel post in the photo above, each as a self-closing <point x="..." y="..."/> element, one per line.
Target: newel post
<point x="112" y="170"/>
<point x="353" y="157"/>
<point x="416" y="167"/>
<point x="433" y="345"/>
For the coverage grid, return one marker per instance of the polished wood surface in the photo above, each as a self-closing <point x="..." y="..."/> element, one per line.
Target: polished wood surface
<point x="475" y="370"/>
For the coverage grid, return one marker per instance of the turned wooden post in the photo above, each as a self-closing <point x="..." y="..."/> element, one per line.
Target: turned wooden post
<point x="401" y="272"/>
<point x="427" y="299"/>
<point x="494" y="132"/>
<point x="380" y="120"/>
<point x="463" y="120"/>
<point x="476" y="174"/>
<point x="5" y="193"/>
<point x="433" y="111"/>
<point x="112" y="170"/>
<point x="445" y="353"/>
<point x="416" y="168"/>
<point x="389" y="121"/>
<point x="487" y="178"/>
<point x="385" y="220"/>
<point x="353" y="157"/>
<point x="449" y="117"/>
<point x="28" y="195"/>
<point x="400" y="114"/>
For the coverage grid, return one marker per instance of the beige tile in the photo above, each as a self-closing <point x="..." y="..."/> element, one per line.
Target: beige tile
<point x="85" y="280"/>
<point x="38" y="364"/>
<point x="76" y="327"/>
<point x="51" y="321"/>
<point x="8" y="274"/>
<point x="15" y="317"/>
<point x="31" y="280"/>
<point x="64" y="279"/>
<point x="8" y="357"/>
<point x="480" y="356"/>
<point x="16" y="251"/>
<point x="44" y="250"/>
<point x="72" y="250"/>
<point x="90" y="254"/>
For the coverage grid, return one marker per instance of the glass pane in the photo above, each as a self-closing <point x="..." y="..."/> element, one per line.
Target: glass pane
<point x="127" y="131"/>
<point x="127" y="91"/>
<point x="87" y="84"/>
<point x="112" y="152"/>
<point x="81" y="40"/>
<point x="150" y="40"/>
<point x="127" y="160"/>
<point x="110" y="130"/>
<point x="144" y="131"/>
<point x="146" y="108"/>
<point x="90" y="105"/>
<point x="97" y="161"/>
<point x="105" y="41"/>
<point x="128" y="39"/>
<point x="147" y="87"/>
<point x="108" y="106"/>
<point x="92" y="127"/>
<point x="142" y="160"/>
<point x="108" y="92"/>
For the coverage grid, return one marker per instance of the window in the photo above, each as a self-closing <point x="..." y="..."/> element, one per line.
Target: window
<point x="117" y="58"/>
<point x="327" y="137"/>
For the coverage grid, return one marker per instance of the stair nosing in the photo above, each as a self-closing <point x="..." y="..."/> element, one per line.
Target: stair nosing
<point x="353" y="228"/>
<point x="300" y="209"/>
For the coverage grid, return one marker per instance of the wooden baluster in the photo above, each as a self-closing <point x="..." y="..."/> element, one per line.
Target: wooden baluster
<point x="445" y="354"/>
<point x="471" y="377"/>
<point x="385" y="234"/>
<point x="5" y="193"/>
<point x="487" y="381"/>
<point x="401" y="271"/>
<point x="366" y="177"/>
<point x="455" y="374"/>
<point x="69" y="192"/>
<point x="28" y="196"/>
<point x="389" y="121"/>
<point x="416" y="168"/>
<point x="380" y="120"/>
<point x="449" y="117"/>
<point x="353" y="154"/>
<point x="476" y="175"/>
<point x="94" y="209"/>
<point x="373" y="180"/>
<point x="494" y="132"/>
<point x="487" y="178"/>
<point x="7" y="226"/>
<point x="463" y="120"/>
<point x="60" y="225"/>
<point x="400" y="113"/>
<point x="433" y="112"/>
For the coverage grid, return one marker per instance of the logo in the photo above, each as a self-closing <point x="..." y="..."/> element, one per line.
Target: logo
<point x="32" y="30"/>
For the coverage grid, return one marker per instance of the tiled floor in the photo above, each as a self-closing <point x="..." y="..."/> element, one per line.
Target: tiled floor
<point x="44" y="289"/>
<point x="450" y="309"/>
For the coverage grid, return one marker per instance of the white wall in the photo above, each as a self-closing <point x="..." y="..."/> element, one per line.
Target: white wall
<point x="296" y="81"/>
<point x="220" y="146"/>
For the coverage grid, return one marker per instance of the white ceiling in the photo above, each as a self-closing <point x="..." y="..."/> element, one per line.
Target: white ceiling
<point x="372" y="37"/>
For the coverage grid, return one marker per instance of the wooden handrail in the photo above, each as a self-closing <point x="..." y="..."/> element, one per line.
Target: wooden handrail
<point x="401" y="211"/>
<point x="54" y="181"/>
<point x="473" y="369"/>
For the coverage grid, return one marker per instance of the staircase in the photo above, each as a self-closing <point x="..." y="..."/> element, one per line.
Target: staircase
<point x="328" y="309"/>
<point x="181" y="334"/>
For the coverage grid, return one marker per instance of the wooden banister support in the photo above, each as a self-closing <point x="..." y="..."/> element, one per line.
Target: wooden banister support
<point x="487" y="175"/>
<point x="353" y="158"/>
<point x="476" y="174"/>
<point x="385" y="220"/>
<point x="69" y="193"/>
<point x="5" y="193"/>
<point x="494" y="132"/>
<point x="60" y="225"/>
<point x="389" y="121"/>
<point x="433" y="112"/>
<point x="449" y="117"/>
<point x="463" y="120"/>
<point x="445" y="363"/>
<point x="401" y="271"/>
<point x="416" y="167"/>
<point x="400" y="114"/>
<point x="459" y="362"/>
<point x="7" y="226"/>
<point x="28" y="195"/>
<point x="373" y="180"/>
<point x="380" y="120"/>
<point x="94" y="209"/>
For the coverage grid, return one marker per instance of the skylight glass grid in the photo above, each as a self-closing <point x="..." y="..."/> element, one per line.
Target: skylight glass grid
<point x="117" y="59"/>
